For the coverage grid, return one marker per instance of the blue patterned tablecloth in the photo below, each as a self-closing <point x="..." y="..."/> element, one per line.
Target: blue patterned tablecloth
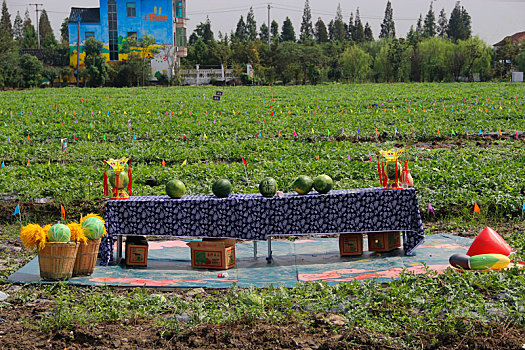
<point x="254" y="217"/>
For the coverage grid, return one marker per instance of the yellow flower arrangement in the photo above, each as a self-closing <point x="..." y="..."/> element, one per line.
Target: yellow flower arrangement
<point x="77" y="235"/>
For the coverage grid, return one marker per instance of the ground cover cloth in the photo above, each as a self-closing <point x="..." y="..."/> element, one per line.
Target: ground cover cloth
<point x="254" y="217"/>
<point x="302" y="260"/>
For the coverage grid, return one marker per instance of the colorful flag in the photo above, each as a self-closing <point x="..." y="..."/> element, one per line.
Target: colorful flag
<point x="17" y="210"/>
<point x="163" y="162"/>
<point x="28" y="138"/>
<point x="476" y="208"/>
<point x="205" y="137"/>
<point x="2" y="165"/>
<point x="430" y="209"/>
<point x="184" y="163"/>
<point x="184" y="136"/>
<point x="244" y="161"/>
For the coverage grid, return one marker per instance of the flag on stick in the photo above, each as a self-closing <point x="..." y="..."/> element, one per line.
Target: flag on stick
<point x="184" y="163"/>
<point x="430" y="209"/>
<point x="17" y="210"/>
<point x="63" y="211"/>
<point x="476" y="208"/>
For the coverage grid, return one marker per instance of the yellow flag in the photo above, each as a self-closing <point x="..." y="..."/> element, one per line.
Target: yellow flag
<point x="185" y="162"/>
<point x="312" y="130"/>
<point x="205" y="137"/>
<point x="43" y="121"/>
<point x="125" y="112"/>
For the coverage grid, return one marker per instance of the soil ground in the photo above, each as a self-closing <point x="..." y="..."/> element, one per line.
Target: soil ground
<point x="19" y="319"/>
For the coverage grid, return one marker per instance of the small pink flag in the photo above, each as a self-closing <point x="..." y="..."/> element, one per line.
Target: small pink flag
<point x="430" y="209"/>
<point x="517" y="134"/>
<point x="349" y="158"/>
<point x="371" y="159"/>
<point x="184" y="136"/>
<point x="294" y="134"/>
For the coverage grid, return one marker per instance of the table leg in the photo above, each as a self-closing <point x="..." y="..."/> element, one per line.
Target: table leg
<point x="255" y="249"/>
<point x="269" y="258"/>
<point x="119" y="249"/>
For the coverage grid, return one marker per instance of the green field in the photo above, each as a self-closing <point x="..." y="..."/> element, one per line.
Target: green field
<point x="452" y="131"/>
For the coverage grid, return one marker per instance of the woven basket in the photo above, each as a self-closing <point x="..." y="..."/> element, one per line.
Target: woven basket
<point x="56" y="261"/>
<point x="86" y="258"/>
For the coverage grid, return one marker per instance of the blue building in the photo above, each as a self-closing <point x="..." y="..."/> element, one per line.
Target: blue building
<point x="116" y="20"/>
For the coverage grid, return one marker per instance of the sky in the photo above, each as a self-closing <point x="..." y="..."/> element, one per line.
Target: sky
<point x="492" y="20"/>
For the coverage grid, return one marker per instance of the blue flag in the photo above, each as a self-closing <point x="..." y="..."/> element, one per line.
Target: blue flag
<point x="8" y="138"/>
<point x="523" y="207"/>
<point x="17" y="210"/>
<point x="134" y="137"/>
<point x="2" y="166"/>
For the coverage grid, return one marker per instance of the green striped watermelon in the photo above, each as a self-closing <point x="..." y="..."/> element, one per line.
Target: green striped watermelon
<point x="93" y="228"/>
<point x="268" y="187"/>
<point x="59" y="233"/>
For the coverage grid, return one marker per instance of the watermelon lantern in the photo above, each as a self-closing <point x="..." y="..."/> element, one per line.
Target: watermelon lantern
<point x="120" y="180"/>
<point x="323" y="183"/>
<point x="222" y="188"/>
<point x="123" y="180"/>
<point x="303" y="184"/>
<point x="93" y="228"/>
<point x="268" y="187"/>
<point x="59" y="233"/>
<point x="175" y="189"/>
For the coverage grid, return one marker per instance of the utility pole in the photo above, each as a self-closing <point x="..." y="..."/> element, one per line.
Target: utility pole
<point x="37" y="10"/>
<point x="269" y="25"/>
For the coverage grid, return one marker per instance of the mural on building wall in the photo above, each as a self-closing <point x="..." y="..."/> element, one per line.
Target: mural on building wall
<point x="115" y="21"/>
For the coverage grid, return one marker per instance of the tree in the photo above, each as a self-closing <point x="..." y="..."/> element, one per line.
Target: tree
<point x="47" y="37"/>
<point x="351" y="27"/>
<point x="459" y="27"/>
<point x="442" y="24"/>
<point x="240" y="31"/>
<point x="359" y="36"/>
<point x="29" y="40"/>
<point x="18" y="27"/>
<point x="96" y="67"/>
<point x="320" y="33"/>
<point x="368" y="35"/>
<point x="287" y="32"/>
<point x="429" y="27"/>
<point x="263" y="32"/>
<point x="307" y="30"/>
<point x="274" y="30"/>
<point x="31" y="68"/>
<point x="419" y="26"/>
<point x="251" y="26"/>
<point x="388" y="29"/>
<point x="339" y="30"/>
<point x="355" y="64"/>
<point x="6" y="29"/>
<point x="64" y="32"/>
<point x="203" y="31"/>
<point x="145" y="47"/>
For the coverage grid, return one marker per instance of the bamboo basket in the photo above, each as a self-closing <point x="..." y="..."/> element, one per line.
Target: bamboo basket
<point x="86" y="258"/>
<point x="56" y="260"/>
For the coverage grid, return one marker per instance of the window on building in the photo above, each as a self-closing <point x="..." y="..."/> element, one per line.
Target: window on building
<point x="89" y="35"/>
<point x="131" y="9"/>
<point x="180" y="37"/>
<point x="113" y="30"/>
<point x="179" y="10"/>
<point x="132" y="35"/>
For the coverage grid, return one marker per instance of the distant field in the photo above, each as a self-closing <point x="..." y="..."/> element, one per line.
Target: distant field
<point x="466" y="141"/>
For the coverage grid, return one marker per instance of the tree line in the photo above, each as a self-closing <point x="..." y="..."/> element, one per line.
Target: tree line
<point x="435" y="49"/>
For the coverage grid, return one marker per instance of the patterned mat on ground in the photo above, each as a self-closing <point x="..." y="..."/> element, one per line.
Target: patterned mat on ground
<point x="302" y="260"/>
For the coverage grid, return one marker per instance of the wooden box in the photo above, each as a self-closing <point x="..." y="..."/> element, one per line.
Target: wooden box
<point x="384" y="241"/>
<point x="136" y="251"/>
<point x="351" y="244"/>
<point x="213" y="254"/>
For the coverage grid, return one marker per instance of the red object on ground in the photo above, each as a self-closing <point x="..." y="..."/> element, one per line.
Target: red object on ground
<point x="489" y="242"/>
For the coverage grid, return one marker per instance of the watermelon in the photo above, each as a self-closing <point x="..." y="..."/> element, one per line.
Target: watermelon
<point x="123" y="179"/>
<point x="268" y="187"/>
<point x="222" y="188"/>
<point x="93" y="228"/>
<point x="59" y="233"/>
<point x="303" y="184"/>
<point x="323" y="183"/>
<point x="175" y="189"/>
<point x="391" y="170"/>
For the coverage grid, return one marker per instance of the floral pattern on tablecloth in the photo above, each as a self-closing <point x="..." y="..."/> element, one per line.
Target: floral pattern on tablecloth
<point x="254" y="217"/>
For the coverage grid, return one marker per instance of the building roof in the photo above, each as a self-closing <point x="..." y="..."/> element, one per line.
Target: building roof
<point x="515" y="38"/>
<point x="87" y="15"/>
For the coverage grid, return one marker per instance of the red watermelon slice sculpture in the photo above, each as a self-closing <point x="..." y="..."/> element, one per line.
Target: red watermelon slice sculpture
<point x="489" y="242"/>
